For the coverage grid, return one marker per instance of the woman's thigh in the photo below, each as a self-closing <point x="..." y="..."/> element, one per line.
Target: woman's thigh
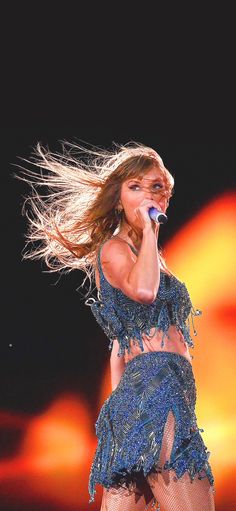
<point x="163" y="487"/>
<point x="139" y="498"/>
<point x="181" y="493"/>
<point x="173" y="493"/>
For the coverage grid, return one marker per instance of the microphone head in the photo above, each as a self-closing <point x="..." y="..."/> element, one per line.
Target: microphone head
<point x="162" y="218"/>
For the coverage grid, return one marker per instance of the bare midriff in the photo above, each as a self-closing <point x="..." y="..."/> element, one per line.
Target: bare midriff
<point x="175" y="344"/>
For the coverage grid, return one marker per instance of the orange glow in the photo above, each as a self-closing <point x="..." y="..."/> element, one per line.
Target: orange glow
<point x="53" y="461"/>
<point x="55" y="455"/>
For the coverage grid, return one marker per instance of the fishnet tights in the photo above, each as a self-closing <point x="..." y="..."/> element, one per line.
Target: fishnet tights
<point x="171" y="493"/>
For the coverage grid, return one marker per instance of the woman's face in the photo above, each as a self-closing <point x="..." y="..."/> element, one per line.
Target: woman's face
<point x="135" y="190"/>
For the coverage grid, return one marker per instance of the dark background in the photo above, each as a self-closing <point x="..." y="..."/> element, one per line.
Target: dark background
<point x="51" y="329"/>
<point x="97" y="77"/>
<point x="88" y="75"/>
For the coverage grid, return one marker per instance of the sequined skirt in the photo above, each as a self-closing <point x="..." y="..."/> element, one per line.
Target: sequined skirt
<point x="131" y="423"/>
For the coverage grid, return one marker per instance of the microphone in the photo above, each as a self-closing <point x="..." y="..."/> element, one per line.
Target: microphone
<point x="157" y="215"/>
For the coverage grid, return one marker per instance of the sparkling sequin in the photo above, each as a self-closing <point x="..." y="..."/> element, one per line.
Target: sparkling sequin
<point x="124" y="319"/>
<point x="130" y="437"/>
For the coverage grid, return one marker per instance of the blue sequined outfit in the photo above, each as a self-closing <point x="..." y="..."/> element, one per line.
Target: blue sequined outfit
<point x="131" y="422"/>
<point x="123" y="318"/>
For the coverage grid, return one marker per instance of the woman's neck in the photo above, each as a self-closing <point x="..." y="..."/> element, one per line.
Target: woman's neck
<point x="123" y="234"/>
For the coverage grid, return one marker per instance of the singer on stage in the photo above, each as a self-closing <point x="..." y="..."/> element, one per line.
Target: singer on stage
<point x="97" y="218"/>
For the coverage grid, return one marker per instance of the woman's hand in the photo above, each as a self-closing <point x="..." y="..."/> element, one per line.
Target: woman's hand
<point x="142" y="214"/>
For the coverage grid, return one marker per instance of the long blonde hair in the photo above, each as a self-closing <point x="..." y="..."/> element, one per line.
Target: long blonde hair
<point x="72" y="206"/>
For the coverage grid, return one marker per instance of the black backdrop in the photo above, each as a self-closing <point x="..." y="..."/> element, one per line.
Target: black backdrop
<point x="70" y="75"/>
<point x="45" y="319"/>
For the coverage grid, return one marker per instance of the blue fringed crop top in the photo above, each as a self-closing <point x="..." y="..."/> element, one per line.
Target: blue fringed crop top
<point x="124" y="319"/>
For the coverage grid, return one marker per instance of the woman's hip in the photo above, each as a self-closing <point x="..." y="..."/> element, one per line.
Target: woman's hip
<point x="151" y="385"/>
<point x="147" y="372"/>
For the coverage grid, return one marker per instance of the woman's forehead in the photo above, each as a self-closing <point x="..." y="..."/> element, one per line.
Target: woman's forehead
<point x="148" y="177"/>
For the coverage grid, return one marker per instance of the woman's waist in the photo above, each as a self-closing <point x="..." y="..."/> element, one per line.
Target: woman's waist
<point x="174" y="342"/>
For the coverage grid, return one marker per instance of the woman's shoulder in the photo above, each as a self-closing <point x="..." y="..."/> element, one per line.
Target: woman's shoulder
<point x="115" y="253"/>
<point x="109" y="247"/>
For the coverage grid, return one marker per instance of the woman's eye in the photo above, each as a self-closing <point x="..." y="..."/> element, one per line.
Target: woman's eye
<point x="157" y="184"/>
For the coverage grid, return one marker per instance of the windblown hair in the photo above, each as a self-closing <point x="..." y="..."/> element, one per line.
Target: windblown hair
<point x="71" y="208"/>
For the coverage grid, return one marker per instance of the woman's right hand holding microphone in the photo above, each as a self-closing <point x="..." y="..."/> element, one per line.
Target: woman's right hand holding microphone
<point x="142" y="214"/>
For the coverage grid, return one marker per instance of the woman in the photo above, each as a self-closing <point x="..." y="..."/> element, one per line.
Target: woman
<point x="150" y="449"/>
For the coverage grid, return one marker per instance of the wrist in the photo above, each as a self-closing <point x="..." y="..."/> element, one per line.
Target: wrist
<point x="149" y="230"/>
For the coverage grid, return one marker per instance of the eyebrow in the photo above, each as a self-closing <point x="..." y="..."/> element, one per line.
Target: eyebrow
<point x="151" y="180"/>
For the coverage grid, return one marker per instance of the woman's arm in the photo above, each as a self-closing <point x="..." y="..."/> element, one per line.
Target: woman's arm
<point x="117" y="365"/>
<point x="131" y="278"/>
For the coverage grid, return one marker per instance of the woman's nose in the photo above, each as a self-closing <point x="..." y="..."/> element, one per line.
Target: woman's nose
<point x="161" y="203"/>
<point x="149" y="195"/>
